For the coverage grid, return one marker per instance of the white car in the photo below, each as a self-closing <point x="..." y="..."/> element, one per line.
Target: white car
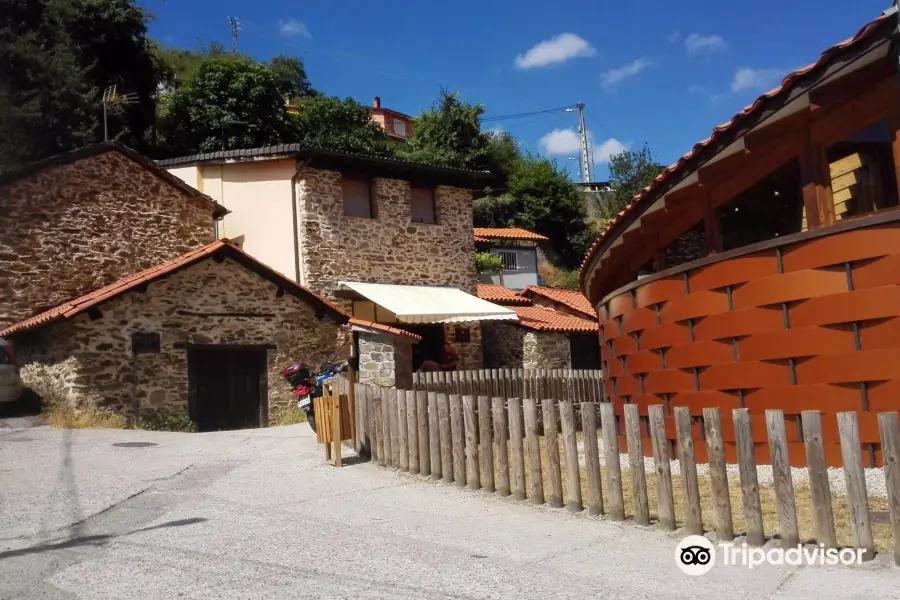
<point x="10" y="383"/>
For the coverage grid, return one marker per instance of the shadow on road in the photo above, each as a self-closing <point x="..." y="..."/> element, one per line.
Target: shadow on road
<point x="92" y="540"/>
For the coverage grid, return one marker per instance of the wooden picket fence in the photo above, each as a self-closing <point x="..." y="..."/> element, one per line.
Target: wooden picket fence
<point x="583" y="384"/>
<point x="492" y="442"/>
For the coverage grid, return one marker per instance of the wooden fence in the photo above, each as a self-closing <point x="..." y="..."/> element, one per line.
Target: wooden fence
<point x="560" y="383"/>
<point x="493" y="443"/>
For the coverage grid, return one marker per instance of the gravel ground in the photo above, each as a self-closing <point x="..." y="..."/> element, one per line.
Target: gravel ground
<point x="875" y="482"/>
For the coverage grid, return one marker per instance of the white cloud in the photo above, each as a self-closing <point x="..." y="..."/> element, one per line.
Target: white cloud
<point x="674" y="37"/>
<point x="746" y="78"/>
<point x="696" y="89"/>
<point x="696" y="44"/>
<point x="555" y="50"/>
<point x="291" y="27"/>
<point x="614" y="77"/>
<point x="608" y="149"/>
<point x="562" y="141"/>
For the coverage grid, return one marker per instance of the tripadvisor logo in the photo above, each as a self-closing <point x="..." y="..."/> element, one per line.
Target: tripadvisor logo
<point x="696" y="555"/>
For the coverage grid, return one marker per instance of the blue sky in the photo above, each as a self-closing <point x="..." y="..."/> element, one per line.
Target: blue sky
<point x="647" y="70"/>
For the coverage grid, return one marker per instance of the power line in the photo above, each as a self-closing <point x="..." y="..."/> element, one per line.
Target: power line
<point x="525" y="115"/>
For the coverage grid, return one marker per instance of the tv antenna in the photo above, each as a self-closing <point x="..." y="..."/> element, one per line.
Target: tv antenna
<point x="114" y="103"/>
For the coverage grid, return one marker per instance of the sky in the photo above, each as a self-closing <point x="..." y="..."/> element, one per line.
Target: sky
<point x="648" y="71"/>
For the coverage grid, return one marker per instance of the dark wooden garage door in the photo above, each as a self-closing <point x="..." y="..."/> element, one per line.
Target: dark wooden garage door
<point x="585" y="350"/>
<point x="227" y="387"/>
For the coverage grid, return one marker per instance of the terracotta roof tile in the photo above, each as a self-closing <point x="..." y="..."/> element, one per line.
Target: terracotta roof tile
<point x="79" y="305"/>
<point x="385" y="328"/>
<point x="573" y="299"/>
<point x="749" y="111"/>
<point x="543" y="319"/>
<point x="483" y="234"/>
<point x="500" y="294"/>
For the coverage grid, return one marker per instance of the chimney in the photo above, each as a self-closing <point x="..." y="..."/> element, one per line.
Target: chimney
<point x="376" y="102"/>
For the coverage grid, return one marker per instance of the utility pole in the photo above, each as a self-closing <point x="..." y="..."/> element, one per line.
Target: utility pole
<point x="235" y="27"/>
<point x="585" y="165"/>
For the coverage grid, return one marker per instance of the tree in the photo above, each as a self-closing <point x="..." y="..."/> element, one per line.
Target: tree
<point x="342" y="126"/>
<point x="229" y="96"/>
<point x="629" y="173"/>
<point x="290" y="75"/>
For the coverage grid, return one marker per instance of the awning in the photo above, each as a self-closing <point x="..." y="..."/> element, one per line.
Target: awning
<point x="429" y="304"/>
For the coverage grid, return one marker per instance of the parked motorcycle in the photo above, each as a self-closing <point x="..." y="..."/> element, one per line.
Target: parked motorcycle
<point x="308" y="385"/>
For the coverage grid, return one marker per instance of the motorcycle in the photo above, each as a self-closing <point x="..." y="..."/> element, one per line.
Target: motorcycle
<point x="308" y="385"/>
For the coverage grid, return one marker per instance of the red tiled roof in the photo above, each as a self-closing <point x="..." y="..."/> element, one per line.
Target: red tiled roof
<point x="500" y="294"/>
<point x="385" y="328"/>
<point x="572" y="299"/>
<point x="483" y="234"/>
<point x="79" y="305"/>
<point x="750" y="111"/>
<point x="544" y="319"/>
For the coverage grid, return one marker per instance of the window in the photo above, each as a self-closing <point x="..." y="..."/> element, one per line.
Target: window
<point x="399" y="128"/>
<point x="357" y="195"/>
<point x="510" y="262"/>
<point x="145" y="343"/>
<point x="423" y="210"/>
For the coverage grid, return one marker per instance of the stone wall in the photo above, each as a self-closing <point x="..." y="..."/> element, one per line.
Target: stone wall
<point x="71" y="229"/>
<point x="89" y="362"/>
<point x="469" y="353"/>
<point x="385" y="360"/>
<point x="546" y="350"/>
<point x="389" y="248"/>
<point x="512" y="346"/>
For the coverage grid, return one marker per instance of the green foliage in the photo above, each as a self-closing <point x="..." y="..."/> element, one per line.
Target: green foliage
<point x="340" y="125"/>
<point x="164" y="421"/>
<point x="555" y="277"/>
<point x="227" y="88"/>
<point x="629" y="173"/>
<point x="290" y="74"/>
<point x="58" y="56"/>
<point x="485" y="262"/>
<point x="290" y="415"/>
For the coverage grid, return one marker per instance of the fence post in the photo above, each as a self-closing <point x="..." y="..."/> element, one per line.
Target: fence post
<point x="890" y="450"/>
<point x="434" y="435"/>
<point x="386" y="409"/>
<point x="403" y="457"/>
<point x="379" y="426"/>
<point x="819" y="487"/>
<point x="516" y="447"/>
<point x="613" y="467"/>
<point x="718" y="474"/>
<point x="529" y="407"/>
<point x="501" y="429"/>
<point x="423" y="433"/>
<point x="486" y="442"/>
<point x="551" y="441"/>
<point x="749" y="481"/>
<point x="457" y="430"/>
<point x="640" y="503"/>
<point x="336" y="421"/>
<point x="781" y="473"/>
<point x="857" y="496"/>
<point x="570" y="443"/>
<point x="446" y="438"/>
<point x="592" y="458"/>
<point x="693" y="515"/>
<point x="412" y="432"/>
<point x="470" y="422"/>
<point x="661" y="458"/>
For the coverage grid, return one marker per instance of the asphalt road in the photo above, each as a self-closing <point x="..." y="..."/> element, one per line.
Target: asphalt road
<point x="258" y="514"/>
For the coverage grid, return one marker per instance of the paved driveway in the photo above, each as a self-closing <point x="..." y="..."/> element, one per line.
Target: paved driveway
<point x="257" y="514"/>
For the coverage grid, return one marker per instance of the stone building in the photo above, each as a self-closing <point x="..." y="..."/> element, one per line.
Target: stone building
<point x="206" y="334"/>
<point x="551" y="331"/>
<point x="78" y="221"/>
<point x="329" y="218"/>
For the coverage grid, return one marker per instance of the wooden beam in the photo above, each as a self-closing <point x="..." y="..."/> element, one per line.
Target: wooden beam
<point x="838" y="91"/>
<point x="816" y="181"/>
<point x="712" y="226"/>
<point x="895" y="145"/>
<point x="690" y="193"/>
<point x="844" y="120"/>
<point x="764" y="137"/>
<point x="724" y="168"/>
<point x="763" y="164"/>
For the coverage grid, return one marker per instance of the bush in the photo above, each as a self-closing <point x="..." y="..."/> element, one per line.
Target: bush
<point x="164" y="421"/>
<point x="485" y="262"/>
<point x="290" y="415"/>
<point x="63" y="416"/>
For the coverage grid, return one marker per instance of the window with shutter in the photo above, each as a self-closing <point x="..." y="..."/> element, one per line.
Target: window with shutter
<point x="357" y="195"/>
<point x="423" y="208"/>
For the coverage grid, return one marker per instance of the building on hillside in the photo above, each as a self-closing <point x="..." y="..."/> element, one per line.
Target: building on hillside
<point x="517" y="248"/>
<point x="396" y="124"/>
<point x="596" y="196"/>
<point x="331" y="220"/>
<point x="571" y="302"/>
<point x="205" y="335"/>
<point x="762" y="270"/>
<point x="78" y="221"/>
<point x="548" y="335"/>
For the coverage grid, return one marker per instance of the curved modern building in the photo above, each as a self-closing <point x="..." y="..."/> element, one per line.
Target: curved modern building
<point x="761" y="270"/>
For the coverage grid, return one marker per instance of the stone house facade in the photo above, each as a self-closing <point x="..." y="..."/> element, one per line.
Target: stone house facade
<point x="215" y="299"/>
<point x="78" y="221"/>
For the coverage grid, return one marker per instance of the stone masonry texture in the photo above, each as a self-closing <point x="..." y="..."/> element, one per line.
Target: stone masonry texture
<point x="384" y="360"/>
<point x="71" y="229"/>
<point x="512" y="346"/>
<point x="89" y="363"/>
<point x="389" y="248"/>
